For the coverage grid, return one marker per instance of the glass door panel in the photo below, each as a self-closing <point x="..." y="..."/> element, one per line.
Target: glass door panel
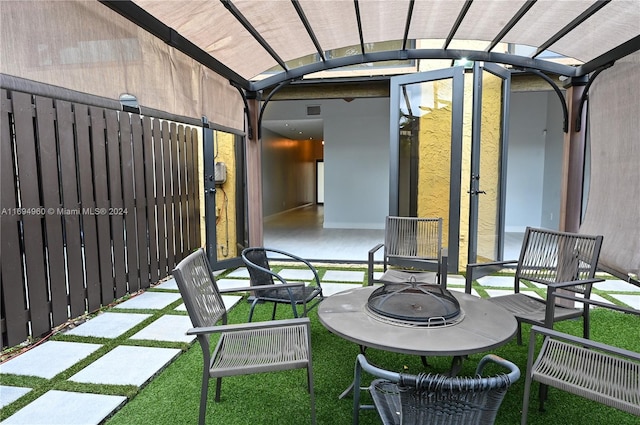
<point x="487" y="186"/>
<point x="426" y="145"/>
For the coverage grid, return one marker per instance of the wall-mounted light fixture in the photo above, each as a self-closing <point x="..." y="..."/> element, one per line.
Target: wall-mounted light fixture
<point x="129" y="103"/>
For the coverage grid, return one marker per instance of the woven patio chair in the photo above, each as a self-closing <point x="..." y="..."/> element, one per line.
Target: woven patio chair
<point x="434" y="399"/>
<point x="257" y="261"/>
<point x="554" y="260"/>
<point x="242" y="349"/>
<point x="412" y="248"/>
<point x="596" y="371"/>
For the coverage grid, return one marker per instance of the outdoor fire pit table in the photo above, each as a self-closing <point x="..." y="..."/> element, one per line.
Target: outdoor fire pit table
<point x="479" y="327"/>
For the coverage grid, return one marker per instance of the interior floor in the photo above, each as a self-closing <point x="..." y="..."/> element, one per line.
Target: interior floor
<point x="300" y="232"/>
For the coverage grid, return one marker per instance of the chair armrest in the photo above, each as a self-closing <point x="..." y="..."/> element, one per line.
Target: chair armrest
<point x="370" y="262"/>
<point x="491" y="266"/>
<point x="514" y="371"/>
<point x="375" y="249"/>
<point x="248" y="326"/>
<point x="574" y="283"/>
<point x="492" y="263"/>
<point x="261" y="287"/>
<point x="539" y="330"/>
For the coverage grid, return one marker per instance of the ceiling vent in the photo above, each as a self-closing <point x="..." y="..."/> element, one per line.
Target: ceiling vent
<point x="313" y="110"/>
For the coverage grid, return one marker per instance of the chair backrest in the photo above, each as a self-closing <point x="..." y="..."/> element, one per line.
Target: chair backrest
<point x="430" y="398"/>
<point x="259" y="269"/>
<point x="550" y="257"/>
<point x="435" y="398"/>
<point x="199" y="290"/>
<point x="409" y="238"/>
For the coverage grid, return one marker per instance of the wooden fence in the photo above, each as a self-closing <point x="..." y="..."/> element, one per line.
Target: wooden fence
<point x="96" y="203"/>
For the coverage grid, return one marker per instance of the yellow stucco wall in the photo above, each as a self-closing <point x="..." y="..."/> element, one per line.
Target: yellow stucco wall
<point x="434" y="161"/>
<point x="489" y="166"/>
<point x="224" y="147"/>
<point x="434" y="155"/>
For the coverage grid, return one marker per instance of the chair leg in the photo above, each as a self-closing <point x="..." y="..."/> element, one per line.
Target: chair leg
<point x="218" y="388"/>
<point x="253" y="305"/>
<point x="425" y="363"/>
<point x="203" y="397"/>
<point x="585" y="323"/>
<point x="543" y="392"/>
<point x="312" y="398"/>
<point x="525" y="400"/>
<point x="295" y="310"/>
<point x="273" y="313"/>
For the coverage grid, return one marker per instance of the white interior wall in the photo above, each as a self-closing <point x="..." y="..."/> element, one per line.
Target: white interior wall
<point x="552" y="173"/>
<point x="356" y="162"/>
<point x="534" y="163"/>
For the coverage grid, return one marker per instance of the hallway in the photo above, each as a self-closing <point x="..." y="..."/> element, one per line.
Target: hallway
<point x="300" y="232"/>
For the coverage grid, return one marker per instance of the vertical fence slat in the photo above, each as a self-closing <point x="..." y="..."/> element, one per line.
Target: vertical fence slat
<point x="52" y="202"/>
<point x="101" y="189"/>
<point x="190" y="192"/>
<point x="31" y="224"/>
<point x="14" y="305"/>
<point x="175" y="182"/>
<point x="71" y="205"/>
<point x="168" y="134"/>
<point x="88" y="205"/>
<point x="195" y="190"/>
<point x="117" y="203"/>
<point x="149" y="162"/>
<point x="140" y="199"/>
<point x="129" y="202"/>
<point x="159" y="200"/>
<point x="183" y="134"/>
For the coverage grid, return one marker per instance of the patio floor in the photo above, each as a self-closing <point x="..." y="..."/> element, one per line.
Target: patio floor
<point x="136" y="361"/>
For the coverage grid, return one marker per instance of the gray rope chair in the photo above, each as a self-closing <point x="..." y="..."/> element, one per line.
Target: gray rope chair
<point x="555" y="260"/>
<point x="279" y="290"/>
<point x="412" y="248"/>
<point x="244" y="348"/>
<point x="434" y="399"/>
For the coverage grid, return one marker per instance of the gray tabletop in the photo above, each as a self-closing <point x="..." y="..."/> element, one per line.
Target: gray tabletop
<point x="485" y="326"/>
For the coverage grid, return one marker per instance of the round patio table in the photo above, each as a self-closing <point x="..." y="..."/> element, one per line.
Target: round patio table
<point x="484" y="326"/>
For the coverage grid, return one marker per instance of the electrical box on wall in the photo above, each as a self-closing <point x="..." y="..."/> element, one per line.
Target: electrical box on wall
<point x="220" y="173"/>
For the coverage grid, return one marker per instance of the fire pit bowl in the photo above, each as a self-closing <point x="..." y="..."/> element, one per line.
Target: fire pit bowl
<point x="414" y="304"/>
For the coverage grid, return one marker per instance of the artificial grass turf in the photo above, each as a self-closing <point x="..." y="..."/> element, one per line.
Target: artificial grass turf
<point x="281" y="398"/>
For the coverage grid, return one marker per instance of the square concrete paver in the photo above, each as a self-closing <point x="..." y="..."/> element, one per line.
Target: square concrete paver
<point x="616" y="285"/>
<point x="329" y="288"/>
<point x="126" y="365"/>
<point x="455" y="280"/>
<point x="241" y="272"/>
<point x="229" y="302"/>
<point x="632" y="301"/>
<point x="108" y="325"/>
<point x="10" y="394"/>
<point x="167" y="328"/>
<point x="48" y="359"/>
<point x="296" y="274"/>
<point x="343" y="276"/>
<point x="150" y="300"/>
<point x="66" y="408"/>
<point x="169" y="284"/>
<point x="225" y="284"/>
<point x="498" y="281"/>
